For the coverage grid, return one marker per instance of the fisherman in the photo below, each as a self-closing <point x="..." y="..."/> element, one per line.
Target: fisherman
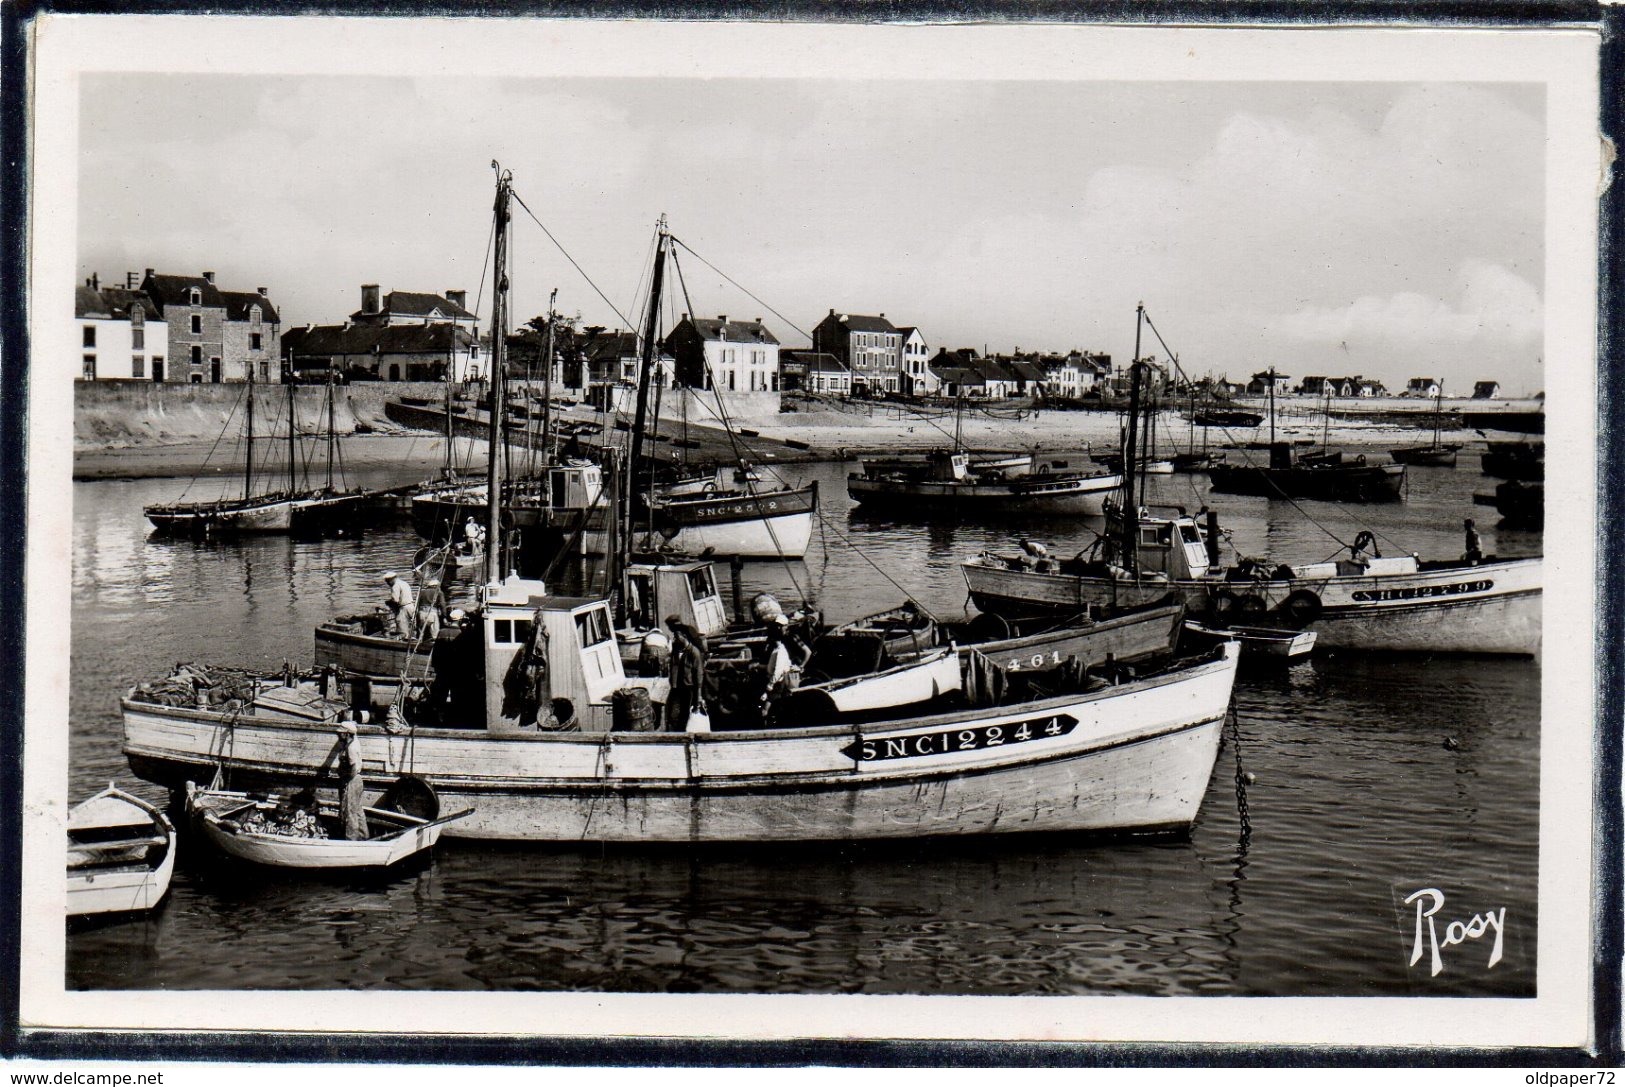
<point x="654" y="655"/>
<point x="473" y="536"/>
<point x="400" y="604"/>
<point x="352" y="789"/>
<point x="785" y="659"/>
<point x="687" y="673"/>
<point x="1475" y="546"/>
<point x="431" y="604"/>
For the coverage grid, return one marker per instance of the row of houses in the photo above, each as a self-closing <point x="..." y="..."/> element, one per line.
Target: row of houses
<point x="161" y="327"/>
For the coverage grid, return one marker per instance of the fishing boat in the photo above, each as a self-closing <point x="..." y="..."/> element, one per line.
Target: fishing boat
<point x="1435" y="454"/>
<point x="1521" y="503"/>
<point x="1135" y="756"/>
<point x="1219" y="417"/>
<point x="1363" y="601"/>
<point x="946" y="485"/>
<point x="1258" y="644"/>
<point x="121" y="854"/>
<point x="1324" y="477"/>
<point x="287" y="830"/>
<point x="920" y="679"/>
<point x="753" y="523"/>
<point x="324" y="511"/>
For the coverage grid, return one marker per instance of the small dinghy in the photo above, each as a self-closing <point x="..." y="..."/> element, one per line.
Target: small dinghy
<point x="1257" y="643"/>
<point x="121" y="854"/>
<point x="930" y="676"/>
<point x="293" y="830"/>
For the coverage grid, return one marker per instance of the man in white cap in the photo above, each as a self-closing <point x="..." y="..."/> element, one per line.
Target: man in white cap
<point x="352" y="789"/>
<point x="431" y="602"/>
<point x="400" y="604"/>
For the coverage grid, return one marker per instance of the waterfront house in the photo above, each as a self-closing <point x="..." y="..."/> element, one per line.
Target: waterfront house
<point x="1261" y="383"/>
<point x="816" y="372"/>
<point x="871" y="348"/>
<point x="1486" y="390"/>
<point x="917" y="378"/>
<point x="251" y="336"/>
<point x="730" y="356"/>
<point x="1422" y="386"/>
<point x="121" y="334"/>
<point x="413" y="308"/>
<point x="422" y="352"/>
<point x="194" y="314"/>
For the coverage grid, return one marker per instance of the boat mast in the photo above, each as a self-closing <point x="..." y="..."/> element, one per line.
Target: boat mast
<point x="332" y="428"/>
<point x="1438" y="410"/>
<point x="1131" y="516"/>
<point x="493" y="468"/>
<point x="450" y="467"/>
<point x="1270" y="377"/>
<point x="248" y="461"/>
<point x="547" y="379"/>
<point x="651" y="329"/>
<point x="293" y="456"/>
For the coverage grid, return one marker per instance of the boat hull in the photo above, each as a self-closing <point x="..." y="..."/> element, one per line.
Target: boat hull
<point x="108" y="875"/>
<point x="1035" y="496"/>
<point x="1429" y="456"/>
<point x="770" y="525"/>
<point x="1327" y="483"/>
<point x="279" y="851"/>
<point x="1491" y="608"/>
<point x="1132" y="758"/>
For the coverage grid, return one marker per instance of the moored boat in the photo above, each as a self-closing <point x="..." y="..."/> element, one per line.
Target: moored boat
<point x="1521" y="503"/>
<point x="1258" y="644"/>
<point x="750" y="524"/>
<point x="947" y="486"/>
<point x="1135" y="756"/>
<point x="291" y="831"/>
<point x="121" y="854"/>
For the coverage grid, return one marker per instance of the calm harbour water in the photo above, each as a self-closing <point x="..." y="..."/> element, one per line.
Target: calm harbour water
<point x="1357" y="801"/>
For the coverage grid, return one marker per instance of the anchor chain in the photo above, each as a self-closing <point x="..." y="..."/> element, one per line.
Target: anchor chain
<point x="1233" y="727"/>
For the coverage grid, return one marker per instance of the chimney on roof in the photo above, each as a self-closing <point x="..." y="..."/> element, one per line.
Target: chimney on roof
<point x="369" y="298"/>
<point x="264" y="291"/>
<point x="95" y="282"/>
<point x="149" y="273"/>
<point x="832" y="311"/>
<point x="723" y="317"/>
<point x="208" y="277"/>
<point x="131" y="281"/>
<point x="458" y="298"/>
<point x="758" y="320"/>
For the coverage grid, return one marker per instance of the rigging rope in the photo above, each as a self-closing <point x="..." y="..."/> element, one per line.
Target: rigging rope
<point x="520" y="201"/>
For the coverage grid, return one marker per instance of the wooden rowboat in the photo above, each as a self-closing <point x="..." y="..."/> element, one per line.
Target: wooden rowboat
<point x="242" y="825"/>
<point x="930" y="676"/>
<point x="1257" y="643"/>
<point x="121" y="854"/>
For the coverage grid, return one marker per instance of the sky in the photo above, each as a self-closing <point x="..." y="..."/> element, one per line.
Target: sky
<point x="1391" y="230"/>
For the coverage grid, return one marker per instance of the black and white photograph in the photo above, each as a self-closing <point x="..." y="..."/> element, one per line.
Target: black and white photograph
<point x="728" y="530"/>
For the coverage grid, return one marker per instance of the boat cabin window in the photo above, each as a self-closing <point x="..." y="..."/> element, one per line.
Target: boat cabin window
<point x="701" y="583"/>
<point x="592" y="627"/>
<point x="1154" y="535"/>
<point x="1189" y="534"/>
<point x="511" y="631"/>
<point x="642" y="591"/>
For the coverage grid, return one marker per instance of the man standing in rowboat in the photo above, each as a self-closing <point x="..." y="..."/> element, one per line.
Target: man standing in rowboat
<point x="400" y="604"/>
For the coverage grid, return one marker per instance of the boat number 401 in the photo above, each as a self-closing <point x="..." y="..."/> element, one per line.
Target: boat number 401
<point x="972" y="738"/>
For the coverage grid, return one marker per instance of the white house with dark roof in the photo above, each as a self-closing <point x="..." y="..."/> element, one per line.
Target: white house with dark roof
<point x="121" y="334"/>
<point x="413" y="308"/>
<point x="730" y="356"/>
<point x="917" y="378"/>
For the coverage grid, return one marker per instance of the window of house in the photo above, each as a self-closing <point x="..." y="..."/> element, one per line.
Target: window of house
<point x="730" y="381"/>
<point x="254" y="339"/>
<point x="157" y="367"/>
<point x="90" y="367"/>
<point x="138" y="337"/>
<point x="197" y="356"/>
<point x="254" y="316"/>
<point x="196" y="297"/>
<point x="197" y="325"/>
<point x="90" y="335"/>
<point x="138" y="367"/>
